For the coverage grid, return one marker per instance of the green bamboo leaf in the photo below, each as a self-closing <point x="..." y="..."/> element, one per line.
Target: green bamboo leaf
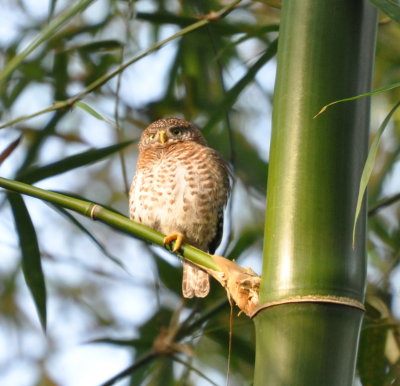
<point x="31" y="262"/>
<point x="260" y="33"/>
<point x="389" y="7"/>
<point x="190" y="368"/>
<point x="60" y="72"/>
<point x="39" y="139"/>
<point x="378" y="91"/>
<point x="168" y="274"/>
<point x="118" y="342"/>
<point x="248" y="237"/>
<point x="82" y="228"/>
<point x="249" y="165"/>
<point x="98" y="46"/>
<point x="232" y="95"/>
<point x="84" y="106"/>
<point x="369" y="164"/>
<point x="88" y="157"/>
<point x="392" y="376"/>
<point x="140" y="368"/>
<point x="371" y="364"/>
<point x="52" y="7"/>
<point x="222" y="27"/>
<point x="47" y="32"/>
<point x="160" y="370"/>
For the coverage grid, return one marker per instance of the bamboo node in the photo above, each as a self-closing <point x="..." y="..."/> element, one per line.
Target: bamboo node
<point x="93" y="210"/>
<point x="341" y="300"/>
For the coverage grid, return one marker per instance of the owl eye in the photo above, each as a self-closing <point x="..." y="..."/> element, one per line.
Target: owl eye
<point x="176" y="131"/>
<point x="152" y="136"/>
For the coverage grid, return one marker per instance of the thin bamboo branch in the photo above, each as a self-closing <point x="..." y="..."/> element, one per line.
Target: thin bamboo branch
<point x="241" y="284"/>
<point x="116" y="220"/>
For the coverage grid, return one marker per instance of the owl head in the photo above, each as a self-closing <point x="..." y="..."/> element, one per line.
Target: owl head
<point x="168" y="131"/>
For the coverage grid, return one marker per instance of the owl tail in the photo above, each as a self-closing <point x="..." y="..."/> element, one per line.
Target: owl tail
<point x="195" y="282"/>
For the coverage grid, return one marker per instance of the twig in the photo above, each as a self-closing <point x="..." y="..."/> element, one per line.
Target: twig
<point x="383" y="204"/>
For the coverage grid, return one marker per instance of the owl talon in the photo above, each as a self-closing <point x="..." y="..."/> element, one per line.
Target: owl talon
<point x="177" y="237"/>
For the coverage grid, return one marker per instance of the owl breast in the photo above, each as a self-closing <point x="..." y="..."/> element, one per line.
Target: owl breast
<point x="180" y="191"/>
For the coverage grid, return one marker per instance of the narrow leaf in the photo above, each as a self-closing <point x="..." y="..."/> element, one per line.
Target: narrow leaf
<point x="52" y="7"/>
<point x="190" y="366"/>
<point x="91" y="111"/>
<point x="232" y="95"/>
<point x="36" y="174"/>
<point x="260" y="33"/>
<point x="39" y="139"/>
<point x="9" y="149"/>
<point x="99" y="46"/>
<point x="372" y="365"/>
<point x="222" y="27"/>
<point x="141" y="364"/>
<point x="82" y="228"/>
<point x="389" y="7"/>
<point x="31" y="262"/>
<point x="378" y="91"/>
<point x="369" y="164"/>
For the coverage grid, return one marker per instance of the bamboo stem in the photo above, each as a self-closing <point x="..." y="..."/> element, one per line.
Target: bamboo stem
<point x="325" y="54"/>
<point x="116" y="220"/>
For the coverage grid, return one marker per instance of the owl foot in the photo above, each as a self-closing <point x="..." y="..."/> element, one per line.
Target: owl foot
<point x="177" y="237"/>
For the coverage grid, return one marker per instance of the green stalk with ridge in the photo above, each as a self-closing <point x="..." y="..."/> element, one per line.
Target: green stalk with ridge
<point x="312" y="291"/>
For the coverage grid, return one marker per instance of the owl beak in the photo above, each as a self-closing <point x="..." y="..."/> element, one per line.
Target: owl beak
<point x="162" y="135"/>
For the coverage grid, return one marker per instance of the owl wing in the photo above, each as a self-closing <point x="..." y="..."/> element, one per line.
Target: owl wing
<point x="218" y="234"/>
<point x="227" y="181"/>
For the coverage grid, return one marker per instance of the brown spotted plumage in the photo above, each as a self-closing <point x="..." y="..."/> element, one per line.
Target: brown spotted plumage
<point x="180" y="189"/>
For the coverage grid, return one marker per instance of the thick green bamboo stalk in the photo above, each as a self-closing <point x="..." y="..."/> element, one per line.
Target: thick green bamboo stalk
<point x="325" y="53"/>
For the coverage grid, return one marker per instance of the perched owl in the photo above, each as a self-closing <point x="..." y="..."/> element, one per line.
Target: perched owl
<point x="180" y="189"/>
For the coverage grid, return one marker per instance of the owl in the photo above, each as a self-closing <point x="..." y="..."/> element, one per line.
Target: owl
<point x="180" y="189"/>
